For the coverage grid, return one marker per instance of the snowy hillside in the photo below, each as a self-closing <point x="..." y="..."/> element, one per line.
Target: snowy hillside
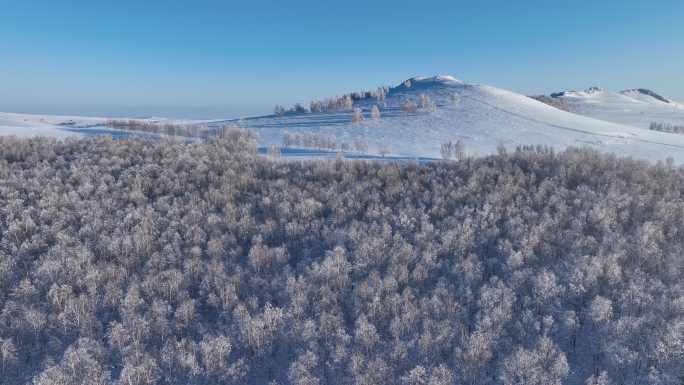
<point x="482" y="117"/>
<point x="25" y="125"/>
<point x="637" y="107"/>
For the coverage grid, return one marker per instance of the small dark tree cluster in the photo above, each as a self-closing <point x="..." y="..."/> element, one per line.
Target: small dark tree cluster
<point x="357" y="115"/>
<point x="321" y="142"/>
<point x="338" y="103"/>
<point x="309" y="140"/>
<point x="168" y="129"/>
<point x="552" y="101"/>
<point x="279" y="110"/>
<point x="409" y="106"/>
<point x="453" y="150"/>
<point x="135" y="262"/>
<point x="426" y="103"/>
<point x="297" y="109"/>
<point x="666" y="127"/>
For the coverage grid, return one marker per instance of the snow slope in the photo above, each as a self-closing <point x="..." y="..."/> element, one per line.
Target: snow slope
<point x="635" y="107"/>
<point x="483" y="118"/>
<point x="25" y="125"/>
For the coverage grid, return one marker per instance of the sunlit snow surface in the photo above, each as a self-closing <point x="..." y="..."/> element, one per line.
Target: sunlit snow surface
<point x="60" y="127"/>
<point x="634" y="107"/>
<point x="24" y="126"/>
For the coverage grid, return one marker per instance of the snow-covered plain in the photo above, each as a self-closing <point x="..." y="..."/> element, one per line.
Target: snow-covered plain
<point x="482" y="117"/>
<point x="633" y="107"/>
<point x="60" y="127"/>
<point x="25" y="125"/>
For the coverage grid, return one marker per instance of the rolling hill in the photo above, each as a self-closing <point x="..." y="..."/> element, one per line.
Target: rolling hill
<point x="482" y="117"/>
<point x="638" y="107"/>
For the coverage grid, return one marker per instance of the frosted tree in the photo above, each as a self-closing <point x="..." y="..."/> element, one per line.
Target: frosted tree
<point x="545" y="364"/>
<point x="215" y="352"/>
<point x="302" y="370"/>
<point x="80" y="365"/>
<point x="357" y="116"/>
<point x="8" y="354"/>
<point x="166" y="262"/>
<point x="316" y="106"/>
<point x="274" y="151"/>
<point x="140" y="369"/>
<point x="601" y="309"/>
<point x="366" y="334"/>
<point x="288" y="139"/>
<point x="300" y="109"/>
<point x="446" y="150"/>
<point x="666" y="127"/>
<point x="347" y="103"/>
<point x="381" y="94"/>
<point x="453" y="150"/>
<point x="360" y="146"/>
<point x="454" y="98"/>
<point x="375" y="112"/>
<point x="601" y="379"/>
<point x="427" y="104"/>
<point x="441" y="375"/>
<point x="424" y="101"/>
<point x="417" y="376"/>
<point x="409" y="106"/>
<point x="459" y="150"/>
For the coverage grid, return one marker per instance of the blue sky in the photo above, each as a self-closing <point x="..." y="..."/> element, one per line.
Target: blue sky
<point x="228" y="58"/>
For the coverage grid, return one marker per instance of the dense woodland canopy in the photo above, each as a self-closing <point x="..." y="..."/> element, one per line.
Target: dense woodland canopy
<point x="157" y="262"/>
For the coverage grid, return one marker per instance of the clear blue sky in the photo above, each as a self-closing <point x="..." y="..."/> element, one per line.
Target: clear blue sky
<point x="231" y="58"/>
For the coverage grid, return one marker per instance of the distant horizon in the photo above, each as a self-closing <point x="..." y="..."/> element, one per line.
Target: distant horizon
<point x="213" y="60"/>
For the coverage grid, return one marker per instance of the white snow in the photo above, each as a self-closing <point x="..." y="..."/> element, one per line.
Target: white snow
<point x="483" y="118"/>
<point x="32" y="125"/>
<point x="26" y="125"/>
<point x="632" y="107"/>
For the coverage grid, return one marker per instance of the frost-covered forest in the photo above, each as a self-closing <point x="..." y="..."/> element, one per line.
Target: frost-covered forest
<point x="159" y="262"/>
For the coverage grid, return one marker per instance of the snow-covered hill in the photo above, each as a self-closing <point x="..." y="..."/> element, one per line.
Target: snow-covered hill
<point x="480" y="116"/>
<point x="636" y="107"/>
<point x="483" y="117"/>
